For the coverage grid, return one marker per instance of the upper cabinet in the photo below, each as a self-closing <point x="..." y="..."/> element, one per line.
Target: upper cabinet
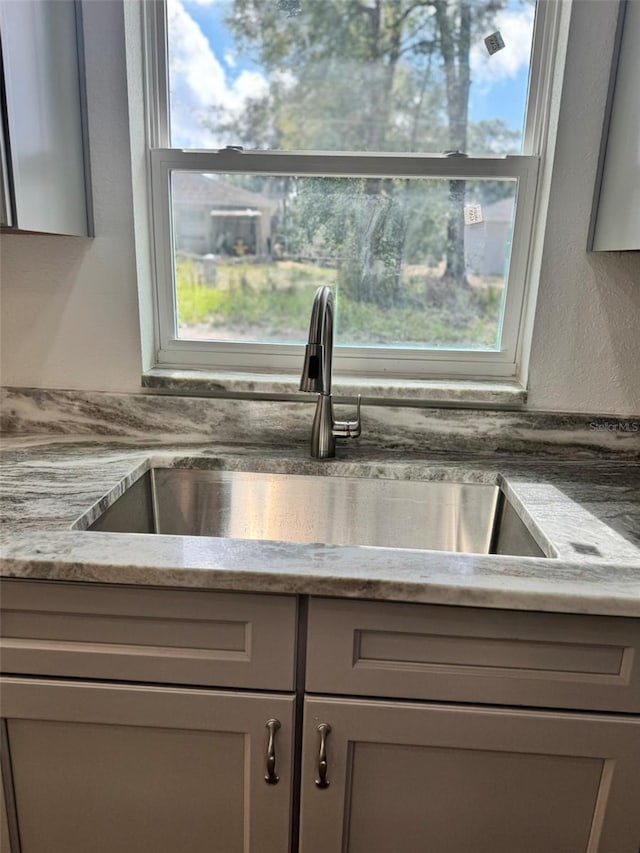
<point x="617" y="209"/>
<point x="44" y="162"/>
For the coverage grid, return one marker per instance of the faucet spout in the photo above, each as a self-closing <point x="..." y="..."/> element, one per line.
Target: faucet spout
<point x="316" y="370"/>
<point x="316" y="378"/>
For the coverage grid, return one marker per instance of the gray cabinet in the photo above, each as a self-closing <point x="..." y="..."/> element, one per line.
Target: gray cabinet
<point x="616" y="216"/>
<point x="478" y="655"/>
<point x="99" y="767"/>
<point x="407" y="776"/>
<point x="136" y="719"/>
<point x="114" y="763"/>
<point x="44" y="164"/>
<point x="165" y="636"/>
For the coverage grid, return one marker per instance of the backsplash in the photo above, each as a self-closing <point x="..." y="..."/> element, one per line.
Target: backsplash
<point x="34" y="412"/>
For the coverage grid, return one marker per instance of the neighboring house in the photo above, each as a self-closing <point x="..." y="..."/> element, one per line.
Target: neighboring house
<point x="213" y="217"/>
<point x="486" y="243"/>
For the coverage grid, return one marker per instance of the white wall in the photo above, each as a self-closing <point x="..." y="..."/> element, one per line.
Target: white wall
<point x="586" y="344"/>
<point x="70" y="306"/>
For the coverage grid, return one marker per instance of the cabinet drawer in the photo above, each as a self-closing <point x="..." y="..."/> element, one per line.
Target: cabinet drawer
<point x="417" y="651"/>
<point x="153" y="635"/>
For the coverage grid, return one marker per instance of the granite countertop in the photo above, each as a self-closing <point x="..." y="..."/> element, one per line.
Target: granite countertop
<point x="585" y="514"/>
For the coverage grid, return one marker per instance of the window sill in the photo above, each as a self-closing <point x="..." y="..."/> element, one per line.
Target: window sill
<point x="406" y="392"/>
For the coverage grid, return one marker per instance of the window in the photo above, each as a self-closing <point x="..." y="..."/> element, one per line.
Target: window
<point x="388" y="148"/>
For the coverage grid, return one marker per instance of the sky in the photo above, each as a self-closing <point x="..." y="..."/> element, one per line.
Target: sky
<point x="206" y="69"/>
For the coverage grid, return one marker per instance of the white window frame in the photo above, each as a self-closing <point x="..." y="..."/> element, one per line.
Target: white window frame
<point x="366" y="361"/>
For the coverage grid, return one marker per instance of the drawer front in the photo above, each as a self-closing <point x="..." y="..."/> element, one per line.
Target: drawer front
<point x="416" y="651"/>
<point x="154" y="635"/>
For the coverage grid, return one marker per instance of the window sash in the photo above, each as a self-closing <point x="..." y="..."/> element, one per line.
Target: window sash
<point x="365" y="360"/>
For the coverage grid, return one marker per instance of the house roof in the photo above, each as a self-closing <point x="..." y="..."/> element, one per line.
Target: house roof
<point x="201" y="189"/>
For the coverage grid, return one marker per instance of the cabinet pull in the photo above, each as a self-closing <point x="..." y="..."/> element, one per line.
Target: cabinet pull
<point x="321" y="781"/>
<point x="271" y="777"/>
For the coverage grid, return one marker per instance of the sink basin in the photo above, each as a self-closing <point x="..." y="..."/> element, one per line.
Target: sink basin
<point x="433" y="515"/>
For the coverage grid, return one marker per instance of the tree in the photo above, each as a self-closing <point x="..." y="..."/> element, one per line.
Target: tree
<point x="367" y="75"/>
<point x="344" y="74"/>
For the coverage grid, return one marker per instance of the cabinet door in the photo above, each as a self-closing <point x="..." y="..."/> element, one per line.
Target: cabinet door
<point x="410" y="778"/>
<point x="46" y="152"/>
<point x="4" y="820"/>
<point x="617" y="225"/>
<point x="106" y="768"/>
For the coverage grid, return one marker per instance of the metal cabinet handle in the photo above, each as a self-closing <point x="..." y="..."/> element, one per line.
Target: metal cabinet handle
<point x="321" y="781"/>
<point x="271" y="777"/>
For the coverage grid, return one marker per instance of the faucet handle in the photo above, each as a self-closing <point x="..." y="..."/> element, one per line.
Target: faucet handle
<point x="349" y="429"/>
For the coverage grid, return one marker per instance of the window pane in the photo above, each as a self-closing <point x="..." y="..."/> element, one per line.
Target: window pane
<point x="349" y="75"/>
<point x="413" y="262"/>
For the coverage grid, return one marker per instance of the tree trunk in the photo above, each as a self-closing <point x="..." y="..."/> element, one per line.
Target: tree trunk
<point x="455" y="267"/>
<point x="455" y="48"/>
<point x="386" y="31"/>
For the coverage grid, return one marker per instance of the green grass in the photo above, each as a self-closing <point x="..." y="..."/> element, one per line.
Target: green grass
<point x="248" y="294"/>
<point x="274" y="301"/>
<point x="364" y="323"/>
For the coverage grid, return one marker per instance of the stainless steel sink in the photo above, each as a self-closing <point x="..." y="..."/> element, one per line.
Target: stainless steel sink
<point x="441" y="516"/>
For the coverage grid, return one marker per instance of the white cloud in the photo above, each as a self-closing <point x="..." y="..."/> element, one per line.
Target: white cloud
<point x="198" y="82"/>
<point x="516" y="29"/>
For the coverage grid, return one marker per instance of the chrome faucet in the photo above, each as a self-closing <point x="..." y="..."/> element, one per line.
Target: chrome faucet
<point x="316" y="378"/>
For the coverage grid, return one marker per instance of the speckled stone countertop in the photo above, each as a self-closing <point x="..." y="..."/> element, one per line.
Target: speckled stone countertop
<point x="585" y="515"/>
